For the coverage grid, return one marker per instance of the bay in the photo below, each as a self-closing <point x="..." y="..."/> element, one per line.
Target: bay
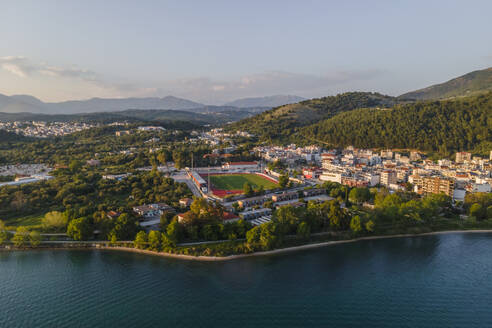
<point x="428" y="281"/>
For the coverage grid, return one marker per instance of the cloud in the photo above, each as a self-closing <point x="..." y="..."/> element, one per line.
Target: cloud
<point x="91" y="82"/>
<point x="23" y="67"/>
<point x="77" y="82"/>
<point x="14" y="69"/>
<point x="16" y="65"/>
<point x="266" y="84"/>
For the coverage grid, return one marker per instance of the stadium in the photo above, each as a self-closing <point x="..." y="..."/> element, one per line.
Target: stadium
<point x="227" y="184"/>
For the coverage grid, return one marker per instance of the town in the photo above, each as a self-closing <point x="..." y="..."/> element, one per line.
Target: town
<point x="42" y="129"/>
<point x="274" y="177"/>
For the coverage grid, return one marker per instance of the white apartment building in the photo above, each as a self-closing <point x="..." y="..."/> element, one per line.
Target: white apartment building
<point x="331" y="176"/>
<point x="388" y="177"/>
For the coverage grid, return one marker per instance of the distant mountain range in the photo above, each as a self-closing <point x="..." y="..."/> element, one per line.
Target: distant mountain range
<point x="270" y="101"/>
<point x="25" y="103"/>
<point x="30" y="104"/>
<point x="469" y="84"/>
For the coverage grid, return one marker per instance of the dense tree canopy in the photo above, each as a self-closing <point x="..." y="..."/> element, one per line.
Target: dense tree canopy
<point x="442" y="126"/>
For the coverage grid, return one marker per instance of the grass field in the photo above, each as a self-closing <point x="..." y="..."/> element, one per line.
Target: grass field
<point x="237" y="181"/>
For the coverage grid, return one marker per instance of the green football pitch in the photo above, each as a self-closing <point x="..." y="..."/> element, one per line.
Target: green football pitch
<point x="237" y="181"/>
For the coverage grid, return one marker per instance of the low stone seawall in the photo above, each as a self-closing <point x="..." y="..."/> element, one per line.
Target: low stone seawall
<point x="105" y="246"/>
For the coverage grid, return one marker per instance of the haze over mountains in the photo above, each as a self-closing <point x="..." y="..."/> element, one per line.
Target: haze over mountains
<point x="277" y="114"/>
<point x="30" y="104"/>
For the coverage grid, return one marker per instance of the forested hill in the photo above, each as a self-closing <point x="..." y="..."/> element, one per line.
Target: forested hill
<point x="280" y="123"/>
<point x="442" y="126"/>
<point x="467" y="85"/>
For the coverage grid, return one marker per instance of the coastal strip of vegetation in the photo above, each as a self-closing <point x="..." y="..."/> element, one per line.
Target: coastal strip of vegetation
<point x="201" y="235"/>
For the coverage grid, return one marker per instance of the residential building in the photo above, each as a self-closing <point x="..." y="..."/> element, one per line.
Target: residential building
<point x="461" y="157"/>
<point x="151" y="128"/>
<point x="434" y="185"/>
<point x="93" y="162"/>
<point x="388" y="177"/>
<point x="247" y="202"/>
<point x="415" y="156"/>
<point x="285" y="196"/>
<point x="254" y="214"/>
<point x="152" y="210"/>
<point x="314" y="192"/>
<point x="122" y="133"/>
<point x="331" y="176"/>
<point x="386" y="154"/>
<point x="354" y="182"/>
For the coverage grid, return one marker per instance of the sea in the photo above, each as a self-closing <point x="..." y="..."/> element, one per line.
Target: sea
<point x="427" y="281"/>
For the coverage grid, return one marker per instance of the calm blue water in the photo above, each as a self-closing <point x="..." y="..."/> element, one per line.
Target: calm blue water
<point x="432" y="281"/>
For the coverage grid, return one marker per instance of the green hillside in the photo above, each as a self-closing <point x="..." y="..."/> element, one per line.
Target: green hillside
<point x="443" y="126"/>
<point x="467" y="85"/>
<point x="280" y="123"/>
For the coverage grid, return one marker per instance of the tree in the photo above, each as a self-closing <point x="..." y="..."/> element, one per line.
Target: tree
<point x="355" y="224"/>
<point x="247" y="189"/>
<point x="167" y="242"/>
<point x="75" y="166"/>
<point x="20" y="237"/>
<point x="4" y="235"/>
<point x="269" y="236"/>
<point x="359" y="195"/>
<point x="166" y="218"/>
<point x="113" y="239"/>
<point x="283" y="180"/>
<point x="241" y="228"/>
<point x="199" y="205"/>
<point x="287" y="218"/>
<point x="261" y="190"/>
<point x="154" y="240"/>
<point x="253" y="237"/>
<point x="209" y="232"/>
<point x="125" y="227"/>
<point x="370" y="225"/>
<point x="54" y="220"/>
<point x="303" y="230"/>
<point x="79" y="229"/>
<point x="268" y="204"/>
<point x="264" y="236"/>
<point x="35" y="238"/>
<point x="335" y="215"/>
<point x="174" y="231"/>
<point x="477" y="211"/>
<point x="140" y="240"/>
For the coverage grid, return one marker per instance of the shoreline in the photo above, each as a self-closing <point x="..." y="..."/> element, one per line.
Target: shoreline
<point x="240" y="256"/>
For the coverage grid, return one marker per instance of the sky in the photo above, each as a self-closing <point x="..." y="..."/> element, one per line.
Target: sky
<point x="217" y="51"/>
